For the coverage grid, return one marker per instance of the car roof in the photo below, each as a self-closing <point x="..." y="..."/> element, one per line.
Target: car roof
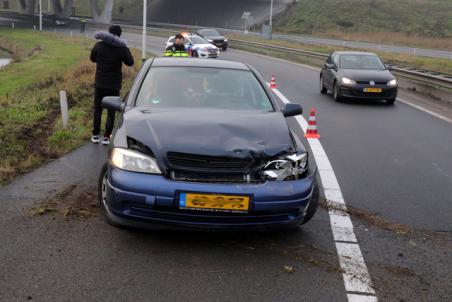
<point x="355" y="53"/>
<point x="207" y="29"/>
<point x="194" y="62"/>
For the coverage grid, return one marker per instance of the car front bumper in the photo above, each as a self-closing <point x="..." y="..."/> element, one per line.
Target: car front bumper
<point x="209" y="54"/>
<point x="357" y="92"/>
<point x="151" y="201"/>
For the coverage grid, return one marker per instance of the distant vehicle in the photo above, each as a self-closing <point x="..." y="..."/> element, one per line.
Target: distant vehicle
<point x="214" y="37"/>
<point x="202" y="144"/>
<point x="59" y="21"/>
<point x="198" y="46"/>
<point x="358" y="75"/>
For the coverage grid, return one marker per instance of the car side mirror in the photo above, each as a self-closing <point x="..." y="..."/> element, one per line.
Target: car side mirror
<point x="330" y="66"/>
<point x="388" y="67"/>
<point x="113" y="103"/>
<point x="292" y="110"/>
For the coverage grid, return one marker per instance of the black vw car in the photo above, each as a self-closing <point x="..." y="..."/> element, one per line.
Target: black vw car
<point x="357" y="75"/>
<point x="213" y="37"/>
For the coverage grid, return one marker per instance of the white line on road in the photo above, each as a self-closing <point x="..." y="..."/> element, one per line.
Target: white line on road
<point x="358" y="284"/>
<point x="426" y="110"/>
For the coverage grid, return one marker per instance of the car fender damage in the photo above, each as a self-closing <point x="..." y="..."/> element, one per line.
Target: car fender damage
<point x="258" y="140"/>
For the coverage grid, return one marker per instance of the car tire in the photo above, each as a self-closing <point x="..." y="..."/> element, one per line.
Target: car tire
<point x="313" y="205"/>
<point x="391" y="101"/>
<point x="336" y="95"/>
<point x="323" y="90"/>
<point x="101" y="193"/>
<point x="225" y="48"/>
<point x="195" y="54"/>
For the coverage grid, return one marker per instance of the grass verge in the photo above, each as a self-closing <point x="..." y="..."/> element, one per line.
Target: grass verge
<point x="30" y="123"/>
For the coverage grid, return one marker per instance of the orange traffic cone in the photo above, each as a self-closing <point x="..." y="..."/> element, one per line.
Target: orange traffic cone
<point x="273" y="83"/>
<point x="312" y="125"/>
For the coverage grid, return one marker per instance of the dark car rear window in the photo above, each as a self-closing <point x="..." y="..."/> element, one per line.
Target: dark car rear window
<point x="199" y="87"/>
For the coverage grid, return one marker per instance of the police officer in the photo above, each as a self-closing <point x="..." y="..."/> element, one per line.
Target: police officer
<point x="177" y="49"/>
<point x="82" y="25"/>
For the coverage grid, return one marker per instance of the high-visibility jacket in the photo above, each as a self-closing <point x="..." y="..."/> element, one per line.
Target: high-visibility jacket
<point x="176" y="51"/>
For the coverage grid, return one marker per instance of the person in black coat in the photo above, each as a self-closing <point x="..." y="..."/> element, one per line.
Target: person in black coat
<point x="109" y="54"/>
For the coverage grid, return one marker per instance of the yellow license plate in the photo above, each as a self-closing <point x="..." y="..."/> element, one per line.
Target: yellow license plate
<point x="378" y="90"/>
<point x="214" y="202"/>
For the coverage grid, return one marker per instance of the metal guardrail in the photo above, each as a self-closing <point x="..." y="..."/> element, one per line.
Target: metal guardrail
<point x="424" y="76"/>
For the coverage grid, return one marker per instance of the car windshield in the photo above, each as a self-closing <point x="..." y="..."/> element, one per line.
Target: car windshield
<point x="210" y="32"/>
<point x="203" y="88"/>
<point x="360" y="62"/>
<point x="198" y="40"/>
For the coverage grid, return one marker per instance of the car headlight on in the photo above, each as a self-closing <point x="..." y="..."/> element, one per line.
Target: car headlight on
<point x="287" y="168"/>
<point x="210" y="40"/>
<point x="347" y="81"/>
<point x="392" y="83"/>
<point x="134" y="161"/>
<point x="225" y="40"/>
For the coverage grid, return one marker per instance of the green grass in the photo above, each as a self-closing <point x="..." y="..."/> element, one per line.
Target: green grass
<point x="419" y="22"/>
<point x="37" y="54"/>
<point x="44" y="64"/>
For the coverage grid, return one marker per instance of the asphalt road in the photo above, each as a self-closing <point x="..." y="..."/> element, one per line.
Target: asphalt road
<point x="395" y="170"/>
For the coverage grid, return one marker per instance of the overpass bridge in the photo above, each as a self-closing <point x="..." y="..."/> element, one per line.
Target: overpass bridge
<point x="220" y="13"/>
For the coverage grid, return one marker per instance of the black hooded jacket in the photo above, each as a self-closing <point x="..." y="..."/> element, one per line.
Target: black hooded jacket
<point x="109" y="54"/>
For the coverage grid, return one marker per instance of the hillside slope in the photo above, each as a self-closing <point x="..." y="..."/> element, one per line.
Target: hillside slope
<point x="429" y="18"/>
<point x="216" y="13"/>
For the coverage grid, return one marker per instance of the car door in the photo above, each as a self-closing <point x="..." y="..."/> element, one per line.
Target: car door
<point x="335" y="69"/>
<point x="327" y="73"/>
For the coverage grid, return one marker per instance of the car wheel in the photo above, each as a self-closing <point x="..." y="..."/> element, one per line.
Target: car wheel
<point x="225" y="48"/>
<point x="336" y="95"/>
<point x="390" y="101"/>
<point x="102" y="195"/>
<point x="323" y="90"/>
<point x="313" y="205"/>
<point x="195" y="54"/>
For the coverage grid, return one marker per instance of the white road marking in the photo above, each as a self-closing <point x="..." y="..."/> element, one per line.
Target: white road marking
<point x="355" y="274"/>
<point x="361" y="298"/>
<point x="442" y="117"/>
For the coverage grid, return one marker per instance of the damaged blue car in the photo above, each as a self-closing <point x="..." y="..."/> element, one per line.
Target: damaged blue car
<point x="204" y="145"/>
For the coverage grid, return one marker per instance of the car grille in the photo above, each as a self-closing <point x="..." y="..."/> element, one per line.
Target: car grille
<point x="368" y="83"/>
<point x="195" y="162"/>
<point x="218" y="41"/>
<point x="212" y="177"/>
<point x="214" y="51"/>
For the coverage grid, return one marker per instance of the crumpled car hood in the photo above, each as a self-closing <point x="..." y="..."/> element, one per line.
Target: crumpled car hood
<point x="239" y="134"/>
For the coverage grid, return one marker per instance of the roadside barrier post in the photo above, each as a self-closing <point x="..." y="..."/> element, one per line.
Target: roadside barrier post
<point x="12" y="25"/>
<point x="64" y="108"/>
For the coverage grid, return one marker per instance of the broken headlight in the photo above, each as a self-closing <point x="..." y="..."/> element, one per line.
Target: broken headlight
<point x="289" y="167"/>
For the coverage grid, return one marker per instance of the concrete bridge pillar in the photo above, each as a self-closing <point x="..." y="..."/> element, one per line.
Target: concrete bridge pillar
<point x="27" y="6"/>
<point x="62" y="11"/>
<point x="106" y="15"/>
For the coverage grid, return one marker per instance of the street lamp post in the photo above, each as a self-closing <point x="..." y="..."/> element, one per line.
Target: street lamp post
<point x="40" y="15"/>
<point x="145" y="8"/>
<point x="271" y="13"/>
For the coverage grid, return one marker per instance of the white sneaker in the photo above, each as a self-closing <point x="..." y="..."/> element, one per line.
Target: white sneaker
<point x="106" y="141"/>
<point x="95" y="139"/>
